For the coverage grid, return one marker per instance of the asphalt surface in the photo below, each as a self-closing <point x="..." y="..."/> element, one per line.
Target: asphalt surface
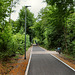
<point x="45" y="64"/>
<point x="36" y="48"/>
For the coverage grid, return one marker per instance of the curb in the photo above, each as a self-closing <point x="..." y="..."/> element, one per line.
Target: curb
<point x="26" y="72"/>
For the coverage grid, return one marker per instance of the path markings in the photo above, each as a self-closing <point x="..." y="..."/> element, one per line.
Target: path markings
<point x="63" y="63"/>
<point x="59" y="60"/>
<point x="45" y="52"/>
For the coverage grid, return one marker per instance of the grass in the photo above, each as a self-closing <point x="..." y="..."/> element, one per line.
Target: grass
<point x="16" y="57"/>
<point x="69" y="56"/>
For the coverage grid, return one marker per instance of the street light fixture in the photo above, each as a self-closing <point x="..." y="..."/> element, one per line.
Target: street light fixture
<point x="25" y="29"/>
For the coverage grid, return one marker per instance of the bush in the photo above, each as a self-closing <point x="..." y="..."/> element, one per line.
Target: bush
<point x="19" y="42"/>
<point x="11" y="43"/>
<point x="5" y="38"/>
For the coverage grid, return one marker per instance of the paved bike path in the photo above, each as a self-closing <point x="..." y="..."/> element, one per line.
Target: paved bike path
<point x="45" y="64"/>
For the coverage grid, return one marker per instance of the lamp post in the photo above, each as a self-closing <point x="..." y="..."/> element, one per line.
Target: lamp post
<point x="25" y="29"/>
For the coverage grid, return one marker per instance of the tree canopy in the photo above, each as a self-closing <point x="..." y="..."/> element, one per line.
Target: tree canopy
<point x="54" y="28"/>
<point x="12" y="35"/>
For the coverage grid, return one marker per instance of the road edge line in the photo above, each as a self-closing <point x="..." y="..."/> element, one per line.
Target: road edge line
<point x="60" y="60"/>
<point x="63" y="62"/>
<point x="26" y="72"/>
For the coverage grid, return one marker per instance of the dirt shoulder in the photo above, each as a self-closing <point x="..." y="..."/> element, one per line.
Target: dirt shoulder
<point x="16" y="66"/>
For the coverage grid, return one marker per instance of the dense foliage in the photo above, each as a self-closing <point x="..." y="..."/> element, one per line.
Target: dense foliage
<point x="29" y="21"/>
<point x="55" y="26"/>
<point x="12" y="34"/>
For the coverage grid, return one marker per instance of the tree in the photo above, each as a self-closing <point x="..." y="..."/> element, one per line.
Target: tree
<point x="71" y="34"/>
<point x="63" y="5"/>
<point x="30" y="21"/>
<point x="49" y="25"/>
<point x="55" y="26"/>
<point x="65" y="8"/>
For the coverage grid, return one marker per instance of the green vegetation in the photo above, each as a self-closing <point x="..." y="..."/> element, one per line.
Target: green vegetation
<point x="69" y="56"/>
<point x="12" y="33"/>
<point x="17" y="56"/>
<point x="55" y="26"/>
